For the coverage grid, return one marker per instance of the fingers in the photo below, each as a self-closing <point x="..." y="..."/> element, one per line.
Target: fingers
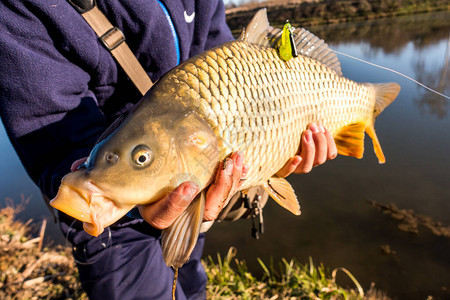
<point x="77" y="163"/>
<point x="316" y="147"/>
<point x="162" y="213"/>
<point x="320" y="143"/>
<point x="290" y="166"/>
<point x="245" y="169"/>
<point x="227" y="181"/>
<point x="332" y="149"/>
<point x="307" y="153"/>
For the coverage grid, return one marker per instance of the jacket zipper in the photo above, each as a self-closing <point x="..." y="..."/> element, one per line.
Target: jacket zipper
<point x="172" y="29"/>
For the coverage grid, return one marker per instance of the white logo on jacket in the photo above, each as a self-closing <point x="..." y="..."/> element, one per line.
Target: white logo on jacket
<point x="189" y="18"/>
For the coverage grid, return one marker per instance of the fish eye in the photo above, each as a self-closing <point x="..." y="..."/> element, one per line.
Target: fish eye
<point x="142" y="155"/>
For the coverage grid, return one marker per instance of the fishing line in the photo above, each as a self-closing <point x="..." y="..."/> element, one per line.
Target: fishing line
<point x="394" y="71"/>
<point x="76" y="255"/>
<point x="316" y="43"/>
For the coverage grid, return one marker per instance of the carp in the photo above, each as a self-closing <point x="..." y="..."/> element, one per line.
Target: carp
<point x="239" y="96"/>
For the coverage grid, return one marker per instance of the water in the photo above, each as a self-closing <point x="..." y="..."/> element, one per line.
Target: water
<point x="338" y="226"/>
<point x="17" y="187"/>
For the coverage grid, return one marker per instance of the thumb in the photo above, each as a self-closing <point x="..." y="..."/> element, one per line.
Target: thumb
<point x="162" y="213"/>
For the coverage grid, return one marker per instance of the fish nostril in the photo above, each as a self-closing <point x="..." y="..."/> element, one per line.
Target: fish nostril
<point x="87" y="169"/>
<point x="111" y="157"/>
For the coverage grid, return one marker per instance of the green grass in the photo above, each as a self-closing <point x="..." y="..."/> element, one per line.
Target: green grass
<point x="27" y="272"/>
<point x="229" y="278"/>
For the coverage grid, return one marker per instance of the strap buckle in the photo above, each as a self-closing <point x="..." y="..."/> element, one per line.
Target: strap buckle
<point x="83" y="6"/>
<point x="256" y="215"/>
<point x="112" y="38"/>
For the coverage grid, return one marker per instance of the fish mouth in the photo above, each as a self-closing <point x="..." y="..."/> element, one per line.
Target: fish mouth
<point x="72" y="202"/>
<point x="85" y="201"/>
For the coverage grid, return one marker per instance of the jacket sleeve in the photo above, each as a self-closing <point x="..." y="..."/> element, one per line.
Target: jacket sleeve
<point x="219" y="32"/>
<point x="49" y="113"/>
<point x="211" y="28"/>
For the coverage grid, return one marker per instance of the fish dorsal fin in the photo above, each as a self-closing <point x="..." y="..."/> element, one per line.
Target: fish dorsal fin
<point x="180" y="238"/>
<point x="260" y="32"/>
<point x="310" y="45"/>
<point x="282" y="192"/>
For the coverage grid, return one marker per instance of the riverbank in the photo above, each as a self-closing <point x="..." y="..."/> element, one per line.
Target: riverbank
<point x="316" y="12"/>
<point x="30" y="270"/>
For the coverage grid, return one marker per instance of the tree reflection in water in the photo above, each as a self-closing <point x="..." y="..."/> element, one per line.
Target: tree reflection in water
<point x="392" y="36"/>
<point x="438" y="80"/>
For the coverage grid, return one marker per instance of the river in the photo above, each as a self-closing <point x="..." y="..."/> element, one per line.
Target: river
<point x="338" y="225"/>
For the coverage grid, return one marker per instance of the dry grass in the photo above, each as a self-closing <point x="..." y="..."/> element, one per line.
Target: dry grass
<point x="29" y="272"/>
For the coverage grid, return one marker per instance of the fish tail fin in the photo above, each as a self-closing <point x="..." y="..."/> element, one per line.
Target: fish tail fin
<point x="385" y="94"/>
<point x="350" y="139"/>
<point x="180" y="238"/>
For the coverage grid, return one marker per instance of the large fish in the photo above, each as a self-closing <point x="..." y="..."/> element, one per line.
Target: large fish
<point x="237" y="96"/>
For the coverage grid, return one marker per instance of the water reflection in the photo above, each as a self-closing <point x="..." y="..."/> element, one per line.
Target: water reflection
<point x="338" y="225"/>
<point x="437" y="79"/>
<point x="391" y="35"/>
<point x="422" y="33"/>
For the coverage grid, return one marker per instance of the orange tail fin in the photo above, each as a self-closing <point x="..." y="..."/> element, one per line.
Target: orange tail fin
<point x="385" y="93"/>
<point x="350" y="139"/>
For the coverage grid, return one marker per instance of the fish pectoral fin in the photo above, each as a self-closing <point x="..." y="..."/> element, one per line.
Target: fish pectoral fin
<point x="280" y="190"/>
<point x="350" y="140"/>
<point x="180" y="238"/>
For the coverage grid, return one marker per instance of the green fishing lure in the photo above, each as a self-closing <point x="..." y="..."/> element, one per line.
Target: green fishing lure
<point x="286" y="45"/>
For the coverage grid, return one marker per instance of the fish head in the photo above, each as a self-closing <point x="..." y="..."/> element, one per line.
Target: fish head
<point x="139" y="163"/>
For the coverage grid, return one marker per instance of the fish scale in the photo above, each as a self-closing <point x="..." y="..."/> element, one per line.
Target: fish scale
<point x="271" y="103"/>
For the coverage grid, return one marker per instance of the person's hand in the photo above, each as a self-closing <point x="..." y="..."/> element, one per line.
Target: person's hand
<point x="226" y="183"/>
<point x="316" y="147"/>
<point x="77" y="163"/>
<point x="163" y="213"/>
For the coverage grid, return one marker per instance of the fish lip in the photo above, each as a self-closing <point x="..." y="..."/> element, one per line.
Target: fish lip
<point x="72" y="202"/>
<point x="102" y="208"/>
<point x="84" y="200"/>
<point x="80" y="193"/>
<point x="86" y="194"/>
<point x="95" y="227"/>
<point x="94" y="189"/>
<point x="79" y="203"/>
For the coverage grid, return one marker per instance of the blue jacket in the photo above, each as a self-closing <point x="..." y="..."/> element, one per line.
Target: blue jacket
<point x="60" y="88"/>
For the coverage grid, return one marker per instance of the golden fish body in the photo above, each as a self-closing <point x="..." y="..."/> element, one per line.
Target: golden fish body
<point x="259" y="104"/>
<point x="238" y="96"/>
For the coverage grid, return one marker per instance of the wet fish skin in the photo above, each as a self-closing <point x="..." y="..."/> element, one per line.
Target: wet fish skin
<point x="260" y="105"/>
<point x="238" y="96"/>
